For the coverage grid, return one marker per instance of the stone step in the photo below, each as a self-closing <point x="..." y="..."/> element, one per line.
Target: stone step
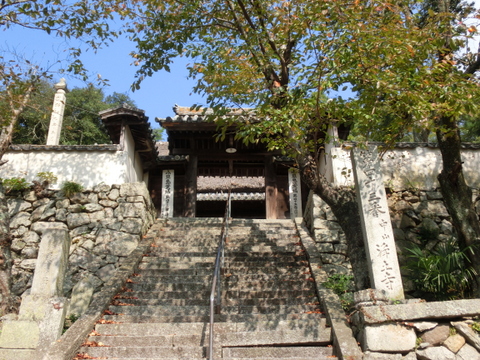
<point x="271" y="270"/>
<point x="227" y="286"/>
<point x="311" y="323"/>
<point x="287" y="263"/>
<point x="163" y="252"/>
<point x="266" y="266"/>
<point x="244" y="335"/>
<point x="164" y="279"/>
<point x="275" y="337"/>
<point x="161" y="265"/>
<point x="328" y="357"/>
<point x="230" y="294"/>
<point x="229" y="278"/>
<point x="225" y="302"/>
<point x="151" y="340"/>
<point x="157" y="329"/>
<point x="183" y="272"/>
<point x="222" y="318"/>
<point x="192" y="287"/>
<point x="263" y="257"/>
<point x="171" y="310"/>
<point x="150" y="352"/>
<point x="240" y="251"/>
<point x="279" y="352"/>
<point x="275" y="284"/>
<point x="210" y="259"/>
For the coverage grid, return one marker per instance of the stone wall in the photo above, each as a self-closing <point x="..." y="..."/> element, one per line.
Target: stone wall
<point x="418" y="330"/>
<point x="418" y="217"/>
<point x="105" y="225"/>
<point x="328" y="235"/>
<point x="414" y="329"/>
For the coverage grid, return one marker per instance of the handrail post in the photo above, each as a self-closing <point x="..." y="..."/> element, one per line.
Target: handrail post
<point x="216" y="292"/>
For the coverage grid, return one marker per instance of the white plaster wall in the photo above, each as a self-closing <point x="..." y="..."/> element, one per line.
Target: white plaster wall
<point x="88" y="168"/>
<point x="133" y="163"/>
<point x="407" y="168"/>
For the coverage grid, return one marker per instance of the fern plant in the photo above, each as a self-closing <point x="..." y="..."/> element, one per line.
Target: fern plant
<point x="442" y="273"/>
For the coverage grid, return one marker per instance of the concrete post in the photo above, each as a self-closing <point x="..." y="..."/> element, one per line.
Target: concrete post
<point x="56" y="119"/>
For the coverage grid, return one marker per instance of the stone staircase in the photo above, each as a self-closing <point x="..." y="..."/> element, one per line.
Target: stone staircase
<point x="269" y="308"/>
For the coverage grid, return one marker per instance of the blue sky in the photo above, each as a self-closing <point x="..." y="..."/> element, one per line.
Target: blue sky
<point x="157" y="94"/>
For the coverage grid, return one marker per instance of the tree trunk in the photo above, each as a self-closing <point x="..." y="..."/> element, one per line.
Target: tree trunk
<point x="17" y="104"/>
<point x="7" y="303"/>
<point x="457" y="195"/>
<point x="344" y="206"/>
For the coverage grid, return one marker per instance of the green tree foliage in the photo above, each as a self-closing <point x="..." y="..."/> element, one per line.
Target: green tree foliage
<point x="89" y="21"/>
<point x="158" y="134"/>
<point x="406" y="62"/>
<point x="81" y="124"/>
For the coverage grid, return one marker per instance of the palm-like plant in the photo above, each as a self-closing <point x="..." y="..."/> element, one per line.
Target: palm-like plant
<point x="442" y="273"/>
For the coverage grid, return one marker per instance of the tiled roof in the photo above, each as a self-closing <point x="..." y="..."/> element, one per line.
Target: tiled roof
<point x="27" y="147"/>
<point x="235" y="196"/>
<point x="238" y="184"/>
<point x="185" y="114"/>
<point x="140" y="129"/>
<point x="413" y="145"/>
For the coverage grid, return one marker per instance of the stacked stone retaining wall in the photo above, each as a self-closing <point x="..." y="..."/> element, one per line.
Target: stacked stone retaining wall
<point x="105" y="225"/>
<point x="418" y="217"/>
<point x="415" y="329"/>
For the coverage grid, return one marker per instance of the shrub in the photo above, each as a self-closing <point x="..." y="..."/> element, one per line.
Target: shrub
<point x="15" y="184"/>
<point x="71" y="187"/>
<point x="442" y="273"/>
<point x="47" y="177"/>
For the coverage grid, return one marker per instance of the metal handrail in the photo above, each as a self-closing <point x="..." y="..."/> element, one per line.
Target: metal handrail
<point x="216" y="293"/>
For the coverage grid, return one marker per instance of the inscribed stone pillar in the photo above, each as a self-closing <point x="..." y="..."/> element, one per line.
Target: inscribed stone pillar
<point x="295" y="193"/>
<point x="42" y="313"/>
<point x="270" y="189"/>
<point x="166" y="210"/>
<point x="56" y="119"/>
<point x="51" y="264"/>
<point x="376" y="225"/>
<point x="191" y="186"/>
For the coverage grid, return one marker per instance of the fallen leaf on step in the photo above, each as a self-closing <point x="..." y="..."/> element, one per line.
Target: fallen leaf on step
<point x="313" y="312"/>
<point x="103" y="321"/>
<point x="94" y="333"/>
<point x="82" y="356"/>
<point x="93" y="344"/>
<point x="120" y="296"/>
<point x="119" y="303"/>
<point x="108" y="312"/>
<point x="130" y="281"/>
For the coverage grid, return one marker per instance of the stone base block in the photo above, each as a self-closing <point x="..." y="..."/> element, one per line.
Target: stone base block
<point x="48" y="313"/>
<point x="21" y="334"/>
<point x="389" y="338"/>
<point x="81" y="296"/>
<point x="17" y="354"/>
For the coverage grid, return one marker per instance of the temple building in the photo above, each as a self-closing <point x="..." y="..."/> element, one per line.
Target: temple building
<point x="191" y="174"/>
